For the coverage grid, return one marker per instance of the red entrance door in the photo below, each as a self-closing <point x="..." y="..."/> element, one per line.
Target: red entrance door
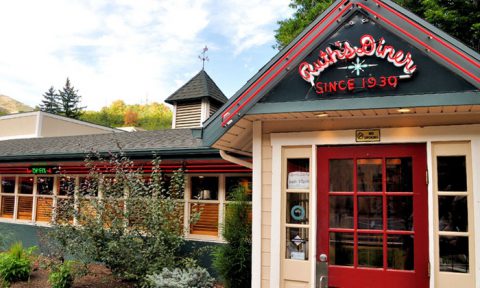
<point x="372" y="215"/>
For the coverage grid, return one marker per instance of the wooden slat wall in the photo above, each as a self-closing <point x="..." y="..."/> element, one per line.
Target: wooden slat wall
<point x="8" y="205"/>
<point x="207" y="224"/>
<point x="213" y="109"/>
<point x="188" y="115"/>
<point x="25" y="205"/>
<point x="44" y="209"/>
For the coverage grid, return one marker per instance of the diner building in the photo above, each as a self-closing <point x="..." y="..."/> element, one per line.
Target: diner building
<point x="360" y="142"/>
<point x="44" y="157"/>
<point x="365" y="141"/>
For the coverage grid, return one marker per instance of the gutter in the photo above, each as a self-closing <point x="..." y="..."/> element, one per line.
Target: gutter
<point x="167" y="153"/>
<point x="225" y="156"/>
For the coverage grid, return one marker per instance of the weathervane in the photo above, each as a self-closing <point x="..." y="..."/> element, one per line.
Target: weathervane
<point x="203" y="56"/>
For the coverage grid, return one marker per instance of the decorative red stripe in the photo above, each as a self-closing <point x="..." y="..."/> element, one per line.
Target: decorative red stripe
<point x="423" y="44"/>
<point x="428" y="33"/>
<point x="228" y="118"/>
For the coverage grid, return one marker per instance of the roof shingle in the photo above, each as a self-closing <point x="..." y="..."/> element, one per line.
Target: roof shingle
<point x="111" y="142"/>
<point x="201" y="85"/>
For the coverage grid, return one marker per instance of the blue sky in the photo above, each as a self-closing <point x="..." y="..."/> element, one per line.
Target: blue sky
<point x="131" y="50"/>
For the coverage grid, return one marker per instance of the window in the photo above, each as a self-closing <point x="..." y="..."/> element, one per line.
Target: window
<point x="209" y="196"/>
<point x="297" y="203"/>
<point x="454" y="242"/>
<point x="7" y="207"/>
<point x="204" y="200"/>
<point x="33" y="197"/>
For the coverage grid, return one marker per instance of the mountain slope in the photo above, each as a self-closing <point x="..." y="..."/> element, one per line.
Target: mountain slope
<point x="9" y="105"/>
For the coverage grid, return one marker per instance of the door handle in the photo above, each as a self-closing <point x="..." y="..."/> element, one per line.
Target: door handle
<point x="322" y="272"/>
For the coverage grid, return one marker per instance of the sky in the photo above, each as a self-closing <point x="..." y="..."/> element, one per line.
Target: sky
<point x="138" y="51"/>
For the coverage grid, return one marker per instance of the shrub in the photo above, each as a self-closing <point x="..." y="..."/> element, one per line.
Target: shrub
<point x="16" y="263"/>
<point x="133" y="236"/>
<point x="233" y="260"/>
<point x="62" y="276"/>
<point x="181" y="278"/>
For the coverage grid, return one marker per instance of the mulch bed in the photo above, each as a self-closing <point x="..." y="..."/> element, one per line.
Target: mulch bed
<point x="98" y="277"/>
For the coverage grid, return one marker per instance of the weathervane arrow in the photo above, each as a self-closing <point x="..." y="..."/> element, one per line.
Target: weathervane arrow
<point x="203" y="56"/>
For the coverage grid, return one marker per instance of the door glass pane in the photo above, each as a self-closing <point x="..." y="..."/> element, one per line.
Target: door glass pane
<point x="453" y="213"/>
<point x="341" y="249"/>
<point x="297" y="208"/>
<point x="400" y="252"/>
<point x="26" y="185"/>
<point x="370" y="212"/>
<point x="204" y="188"/>
<point x="341" y="175"/>
<point x="298" y="175"/>
<point x="452" y="174"/>
<point x="45" y="185"/>
<point x="341" y="212"/>
<point x="369" y="175"/>
<point x="400" y="213"/>
<point x="454" y="254"/>
<point x="399" y="175"/>
<point x="8" y="184"/>
<point x="370" y="250"/>
<point x="297" y="243"/>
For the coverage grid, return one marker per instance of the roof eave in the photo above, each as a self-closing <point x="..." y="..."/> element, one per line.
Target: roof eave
<point x="171" y="153"/>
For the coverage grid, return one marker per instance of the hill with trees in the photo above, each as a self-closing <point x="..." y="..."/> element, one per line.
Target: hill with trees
<point x="152" y="116"/>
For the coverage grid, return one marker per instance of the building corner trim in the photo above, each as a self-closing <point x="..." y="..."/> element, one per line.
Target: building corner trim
<point x="257" y="205"/>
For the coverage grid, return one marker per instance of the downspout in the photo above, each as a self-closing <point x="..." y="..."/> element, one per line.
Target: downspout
<point x="230" y="158"/>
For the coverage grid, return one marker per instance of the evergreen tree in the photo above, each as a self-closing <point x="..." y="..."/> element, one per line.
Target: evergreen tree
<point x="50" y="102"/>
<point x="70" y="101"/>
<point x="459" y="18"/>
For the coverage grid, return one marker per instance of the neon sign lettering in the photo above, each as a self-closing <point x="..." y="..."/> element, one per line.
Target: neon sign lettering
<point x="345" y="51"/>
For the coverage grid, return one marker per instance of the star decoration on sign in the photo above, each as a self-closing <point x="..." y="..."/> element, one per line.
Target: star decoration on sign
<point x="357" y="66"/>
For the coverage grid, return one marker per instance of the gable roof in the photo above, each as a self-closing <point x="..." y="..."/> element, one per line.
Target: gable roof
<point x="440" y="47"/>
<point x="200" y="86"/>
<point x="169" y="142"/>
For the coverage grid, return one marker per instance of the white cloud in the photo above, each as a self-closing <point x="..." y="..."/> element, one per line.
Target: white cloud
<point x="250" y="23"/>
<point x="120" y="49"/>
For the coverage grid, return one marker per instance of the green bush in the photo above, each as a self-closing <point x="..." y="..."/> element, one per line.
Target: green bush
<point x="233" y="260"/>
<point x="181" y="278"/>
<point x="16" y="263"/>
<point x="62" y="276"/>
<point x="133" y="236"/>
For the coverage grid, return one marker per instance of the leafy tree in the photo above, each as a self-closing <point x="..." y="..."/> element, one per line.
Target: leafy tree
<point x="153" y="116"/>
<point x="50" y="102"/>
<point x="70" y="101"/>
<point x="233" y="260"/>
<point x="135" y="226"/>
<point x="459" y="18"/>
<point x="130" y="118"/>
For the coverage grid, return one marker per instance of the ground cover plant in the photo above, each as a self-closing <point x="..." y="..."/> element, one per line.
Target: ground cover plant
<point x="118" y="216"/>
<point x="16" y="264"/>
<point x="194" y="277"/>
